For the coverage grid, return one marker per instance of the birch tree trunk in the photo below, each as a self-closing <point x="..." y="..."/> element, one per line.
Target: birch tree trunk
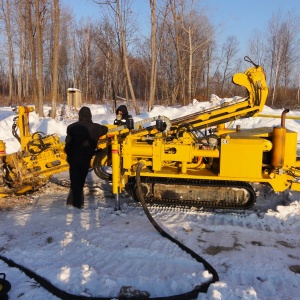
<point x="39" y="34"/>
<point x="153" y="55"/>
<point x="181" y="85"/>
<point x="55" y="58"/>
<point x="6" y="15"/>
<point x="30" y="30"/>
<point x="125" y="59"/>
<point x="21" y="52"/>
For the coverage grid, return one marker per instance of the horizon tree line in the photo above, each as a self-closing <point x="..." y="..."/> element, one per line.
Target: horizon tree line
<point x="46" y="50"/>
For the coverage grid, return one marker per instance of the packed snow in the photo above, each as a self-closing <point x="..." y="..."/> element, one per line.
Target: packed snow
<point x="96" y="251"/>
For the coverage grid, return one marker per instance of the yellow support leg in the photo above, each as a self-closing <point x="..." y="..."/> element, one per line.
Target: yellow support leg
<point x="116" y="171"/>
<point x="2" y="154"/>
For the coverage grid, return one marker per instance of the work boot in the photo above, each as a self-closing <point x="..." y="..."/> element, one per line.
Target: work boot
<point x="70" y="198"/>
<point x="81" y="204"/>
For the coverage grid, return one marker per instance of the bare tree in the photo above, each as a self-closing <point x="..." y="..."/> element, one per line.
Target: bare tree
<point x="107" y="45"/>
<point x="189" y="35"/>
<point x="6" y="17"/>
<point x="115" y="6"/>
<point x="67" y="51"/>
<point x="84" y="58"/>
<point x="39" y="22"/>
<point x="257" y="47"/>
<point x="88" y="58"/>
<point x="177" y="44"/>
<point x="56" y="13"/>
<point x="190" y="24"/>
<point x="21" y="49"/>
<point x="153" y="55"/>
<point x="31" y="47"/>
<point x="177" y="62"/>
<point x="227" y="63"/>
<point x="275" y="48"/>
<point x="283" y="49"/>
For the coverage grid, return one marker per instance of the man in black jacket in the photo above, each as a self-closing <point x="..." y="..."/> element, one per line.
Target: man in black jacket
<point x="81" y="142"/>
<point x="121" y="115"/>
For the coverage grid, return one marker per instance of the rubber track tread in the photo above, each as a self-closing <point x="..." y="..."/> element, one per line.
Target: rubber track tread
<point x="204" y="183"/>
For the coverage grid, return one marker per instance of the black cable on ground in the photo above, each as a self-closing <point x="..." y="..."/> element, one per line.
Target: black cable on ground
<point x="47" y="284"/>
<point x="203" y="287"/>
<point x="67" y="296"/>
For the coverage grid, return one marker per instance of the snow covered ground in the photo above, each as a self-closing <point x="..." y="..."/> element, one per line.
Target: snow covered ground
<point x="95" y="251"/>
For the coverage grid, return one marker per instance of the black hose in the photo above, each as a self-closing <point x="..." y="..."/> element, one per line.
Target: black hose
<point x="203" y="287"/>
<point x="47" y="284"/>
<point x="67" y="296"/>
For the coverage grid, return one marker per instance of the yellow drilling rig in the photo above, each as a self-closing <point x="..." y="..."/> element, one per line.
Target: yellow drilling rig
<point x="193" y="160"/>
<point x="196" y="161"/>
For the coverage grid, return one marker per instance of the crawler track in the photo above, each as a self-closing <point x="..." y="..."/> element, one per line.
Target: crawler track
<point x="196" y="193"/>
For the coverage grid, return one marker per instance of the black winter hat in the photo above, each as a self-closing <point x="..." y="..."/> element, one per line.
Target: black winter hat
<point x="124" y="111"/>
<point x="85" y="114"/>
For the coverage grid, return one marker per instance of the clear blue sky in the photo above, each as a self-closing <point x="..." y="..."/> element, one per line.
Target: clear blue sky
<point x="232" y="17"/>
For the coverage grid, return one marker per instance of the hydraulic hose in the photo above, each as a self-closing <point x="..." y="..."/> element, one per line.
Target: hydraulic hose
<point x="47" y="284"/>
<point x="67" y="296"/>
<point x="203" y="287"/>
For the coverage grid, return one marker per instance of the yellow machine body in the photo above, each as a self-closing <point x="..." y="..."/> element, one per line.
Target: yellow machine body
<point x="40" y="157"/>
<point x="238" y="157"/>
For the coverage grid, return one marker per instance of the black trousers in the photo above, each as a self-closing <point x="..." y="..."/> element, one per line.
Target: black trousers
<point x="78" y="172"/>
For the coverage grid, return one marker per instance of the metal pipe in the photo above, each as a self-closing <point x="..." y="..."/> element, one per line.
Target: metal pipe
<point x="283" y="117"/>
<point x="117" y="202"/>
<point x="278" y="116"/>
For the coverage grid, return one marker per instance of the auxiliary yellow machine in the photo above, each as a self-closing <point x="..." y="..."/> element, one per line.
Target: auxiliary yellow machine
<point x="40" y="157"/>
